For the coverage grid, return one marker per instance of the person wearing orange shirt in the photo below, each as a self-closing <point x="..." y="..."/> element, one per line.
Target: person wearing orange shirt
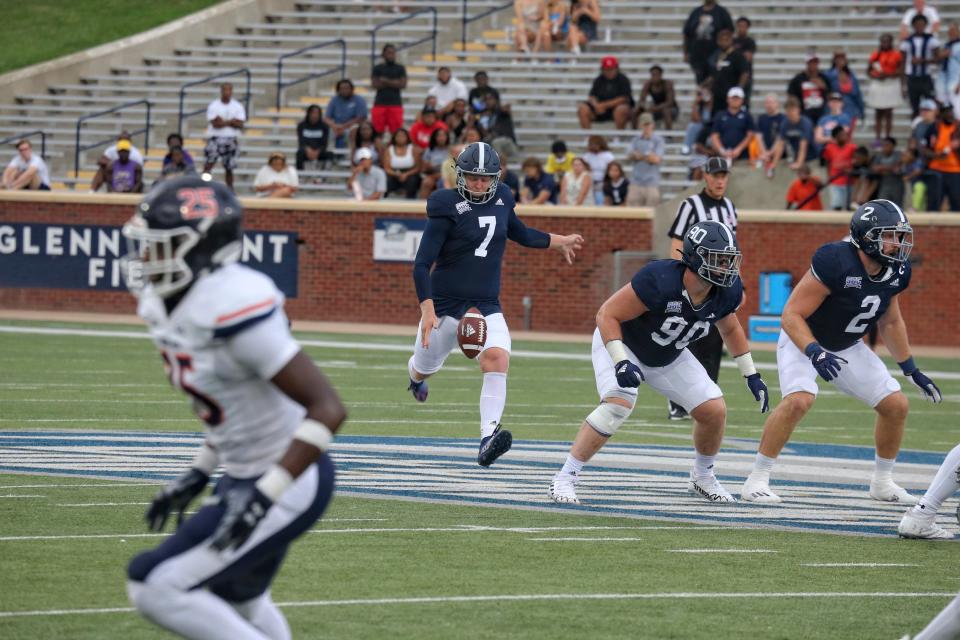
<point x="804" y="192"/>
<point x="885" y="70"/>
<point x="838" y="155"/>
<point x="943" y="160"/>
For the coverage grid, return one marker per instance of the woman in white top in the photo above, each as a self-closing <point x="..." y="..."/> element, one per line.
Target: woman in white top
<point x="276" y="179"/>
<point x="576" y="188"/>
<point x="401" y="161"/>
<point x="597" y="157"/>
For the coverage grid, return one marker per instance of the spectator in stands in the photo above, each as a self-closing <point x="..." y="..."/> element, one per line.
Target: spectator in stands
<point x="344" y="111"/>
<point x="556" y="26"/>
<point x="733" y="129"/>
<point x="364" y="137"/>
<point x="811" y="87"/>
<point x="584" y="20"/>
<point x="124" y="175"/>
<point x="615" y="185"/>
<point x="368" y="181"/>
<point x="948" y="82"/>
<point x="646" y="152"/>
<point x="175" y="164"/>
<point x="431" y="161"/>
<point x="509" y="178"/>
<point x="942" y="151"/>
<point x="389" y="78"/>
<point x="477" y="98"/>
<point x="797" y="133"/>
<point x="26" y="170"/>
<point x="920" y="7"/>
<point x="920" y="127"/>
<point x="402" y="165"/>
<point x="529" y="14"/>
<point x="863" y="182"/>
<point x="597" y="157"/>
<point x="102" y="177"/>
<point x="226" y="118"/>
<point x="112" y="154"/>
<point x="457" y="119"/>
<point x="886" y="77"/>
<point x="914" y="169"/>
<point x="838" y="154"/>
<point x="313" y="136"/>
<point x="729" y="69"/>
<point x="559" y="161"/>
<point x="747" y="46"/>
<point x="804" y="192"/>
<point x="658" y="99"/>
<point x="610" y="97"/>
<point x="700" y="36"/>
<point x="576" y="188"/>
<point x="498" y="128"/>
<point x="277" y="179"/>
<point x="888" y="165"/>
<point x="176" y="140"/>
<point x="423" y="128"/>
<point x="844" y="82"/>
<point x="538" y="187"/>
<point x="769" y="134"/>
<point x="447" y="89"/>
<point x="823" y="133"/>
<point x="700" y="117"/>
<point x="920" y="52"/>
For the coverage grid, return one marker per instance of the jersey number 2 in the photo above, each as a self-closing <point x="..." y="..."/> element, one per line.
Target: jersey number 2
<point x="491" y="223"/>
<point x="673" y="326"/>
<point x="177" y="367"/>
<point x="860" y="321"/>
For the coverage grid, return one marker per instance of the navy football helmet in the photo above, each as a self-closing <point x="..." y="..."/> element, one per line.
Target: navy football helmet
<point x="183" y="228"/>
<point x="878" y="224"/>
<point x="478" y="159"/>
<point x="710" y="250"/>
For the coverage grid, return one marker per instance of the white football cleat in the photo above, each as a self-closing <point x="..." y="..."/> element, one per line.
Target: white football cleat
<point x="758" y="490"/>
<point x="922" y="526"/>
<point x="709" y="489"/>
<point x="563" y="489"/>
<point x="889" y="491"/>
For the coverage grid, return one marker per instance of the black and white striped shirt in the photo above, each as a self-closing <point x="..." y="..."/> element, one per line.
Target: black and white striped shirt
<point x="699" y="208"/>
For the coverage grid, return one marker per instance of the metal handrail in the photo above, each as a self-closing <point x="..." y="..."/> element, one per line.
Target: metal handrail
<point x="183" y="91"/>
<point x="483" y="14"/>
<point x="432" y="36"/>
<point x="28" y="134"/>
<point x="281" y="85"/>
<point x="77" y="148"/>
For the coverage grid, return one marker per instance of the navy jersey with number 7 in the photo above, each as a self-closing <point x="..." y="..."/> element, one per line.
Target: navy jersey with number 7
<point x="464" y="243"/>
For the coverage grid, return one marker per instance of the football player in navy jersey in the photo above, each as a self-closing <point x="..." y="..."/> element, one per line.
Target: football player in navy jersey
<point x="642" y="335"/>
<point x="467" y="230"/>
<point x="850" y="287"/>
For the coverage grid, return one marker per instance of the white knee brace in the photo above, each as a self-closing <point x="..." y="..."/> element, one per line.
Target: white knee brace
<point x="608" y="417"/>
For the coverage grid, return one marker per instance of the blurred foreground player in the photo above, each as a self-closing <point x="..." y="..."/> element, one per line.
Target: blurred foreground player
<point x="920" y="520"/>
<point x="643" y="334"/>
<point x="850" y="287"/>
<point x="467" y="231"/>
<point x="270" y="415"/>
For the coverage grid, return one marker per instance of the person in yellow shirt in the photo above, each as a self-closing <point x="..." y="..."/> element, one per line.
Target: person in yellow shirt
<point x="559" y="161"/>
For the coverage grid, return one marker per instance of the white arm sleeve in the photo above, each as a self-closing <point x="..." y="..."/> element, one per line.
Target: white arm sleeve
<point x="266" y="347"/>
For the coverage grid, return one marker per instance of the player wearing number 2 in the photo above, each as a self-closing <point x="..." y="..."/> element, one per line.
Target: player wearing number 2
<point x="467" y="231"/>
<point x="642" y="335"/>
<point x="850" y="287"/>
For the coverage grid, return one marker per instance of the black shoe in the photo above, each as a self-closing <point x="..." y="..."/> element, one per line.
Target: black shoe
<point x="492" y="447"/>
<point x="677" y="412"/>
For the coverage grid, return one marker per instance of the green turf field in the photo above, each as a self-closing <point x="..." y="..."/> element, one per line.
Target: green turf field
<point x="377" y="568"/>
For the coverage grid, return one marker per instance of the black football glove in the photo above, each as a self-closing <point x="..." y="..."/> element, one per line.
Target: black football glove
<point x="929" y="389"/>
<point x="178" y="494"/>
<point x="759" y="390"/>
<point x="246" y="507"/>
<point x="827" y="364"/>
<point x="628" y="374"/>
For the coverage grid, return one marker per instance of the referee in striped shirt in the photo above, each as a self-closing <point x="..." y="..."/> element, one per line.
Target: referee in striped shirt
<point x="709" y="204"/>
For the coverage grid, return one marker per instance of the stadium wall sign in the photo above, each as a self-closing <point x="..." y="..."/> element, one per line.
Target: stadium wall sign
<point x="339" y="279"/>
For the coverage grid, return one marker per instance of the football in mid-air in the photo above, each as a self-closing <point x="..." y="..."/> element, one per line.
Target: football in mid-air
<point x="472" y="333"/>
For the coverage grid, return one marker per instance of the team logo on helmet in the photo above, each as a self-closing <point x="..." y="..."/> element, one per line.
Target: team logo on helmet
<point x="478" y="159"/>
<point x="710" y="250"/>
<point x="881" y="230"/>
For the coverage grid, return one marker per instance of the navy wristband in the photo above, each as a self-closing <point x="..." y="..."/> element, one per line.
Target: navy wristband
<point x="907" y="366"/>
<point x="811" y="348"/>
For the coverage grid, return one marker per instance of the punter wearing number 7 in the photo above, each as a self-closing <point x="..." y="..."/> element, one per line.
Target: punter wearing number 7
<point x="850" y="287"/>
<point x="467" y="231"/>
<point x="643" y="331"/>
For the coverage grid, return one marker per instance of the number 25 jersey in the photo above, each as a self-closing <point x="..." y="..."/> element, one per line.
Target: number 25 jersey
<point x="856" y="302"/>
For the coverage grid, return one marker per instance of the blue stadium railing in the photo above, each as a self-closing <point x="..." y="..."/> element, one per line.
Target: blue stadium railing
<point x="281" y="85"/>
<point x="229" y="74"/>
<point x="482" y="14"/>
<point x="406" y="45"/>
<point x="90" y="116"/>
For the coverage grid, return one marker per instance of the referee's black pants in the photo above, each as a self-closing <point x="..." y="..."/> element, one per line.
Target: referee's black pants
<point x="708" y="351"/>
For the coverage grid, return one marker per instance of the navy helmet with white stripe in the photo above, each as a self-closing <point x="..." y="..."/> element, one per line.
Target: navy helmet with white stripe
<point x="711" y="251"/>
<point x="478" y="159"/>
<point x="877" y="224"/>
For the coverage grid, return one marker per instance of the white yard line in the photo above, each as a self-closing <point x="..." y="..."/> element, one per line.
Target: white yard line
<point x="97" y="484"/>
<point x="870" y="565"/>
<point x="722" y="551"/>
<point x="22" y="496"/>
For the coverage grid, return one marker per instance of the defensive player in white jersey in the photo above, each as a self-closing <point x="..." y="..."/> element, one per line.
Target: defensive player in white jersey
<point x="850" y="287"/>
<point x="467" y="231"/>
<point x="269" y="412"/>
<point x="643" y="331"/>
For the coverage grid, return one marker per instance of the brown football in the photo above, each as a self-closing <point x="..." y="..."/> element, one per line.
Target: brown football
<point x="472" y="333"/>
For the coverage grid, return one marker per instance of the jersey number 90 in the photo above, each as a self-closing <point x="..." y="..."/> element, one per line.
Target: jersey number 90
<point x="674" y="326"/>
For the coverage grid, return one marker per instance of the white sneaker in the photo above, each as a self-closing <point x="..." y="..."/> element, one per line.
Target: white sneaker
<point x="922" y="526"/>
<point x="709" y="489"/>
<point x="563" y="489"/>
<point x="758" y="490"/>
<point x="888" y="491"/>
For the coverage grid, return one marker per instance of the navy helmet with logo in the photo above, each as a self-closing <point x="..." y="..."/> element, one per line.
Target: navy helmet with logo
<point x="877" y="224"/>
<point x="478" y="159"/>
<point x="711" y="251"/>
<point x="183" y="228"/>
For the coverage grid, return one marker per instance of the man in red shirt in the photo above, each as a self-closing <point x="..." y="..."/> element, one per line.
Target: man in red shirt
<point x="804" y="193"/>
<point x="838" y="155"/>
<point x="424" y="127"/>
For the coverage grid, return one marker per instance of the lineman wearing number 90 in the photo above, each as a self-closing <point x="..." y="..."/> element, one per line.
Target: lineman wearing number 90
<point x="850" y="287"/>
<point x="467" y="230"/>
<point x="642" y="335"/>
